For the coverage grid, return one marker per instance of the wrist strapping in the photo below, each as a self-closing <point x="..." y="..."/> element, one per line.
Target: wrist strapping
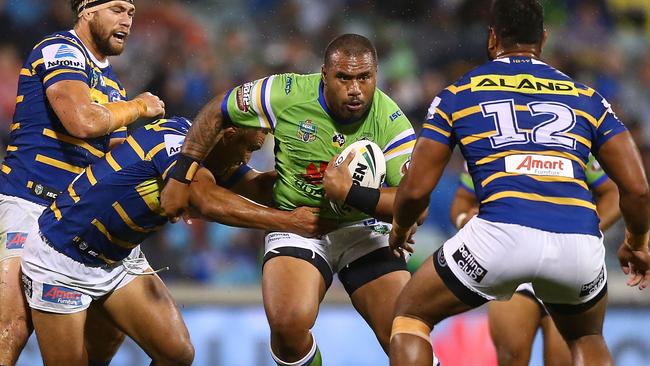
<point x="459" y="219"/>
<point x="124" y="113"/>
<point x="184" y="169"/>
<point x="364" y="199"/>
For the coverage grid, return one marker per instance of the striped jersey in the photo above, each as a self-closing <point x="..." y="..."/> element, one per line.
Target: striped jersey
<point x="307" y="136"/>
<point x="526" y="131"/>
<point x="42" y="158"/>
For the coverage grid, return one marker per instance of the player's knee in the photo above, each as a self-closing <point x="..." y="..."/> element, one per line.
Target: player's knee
<point x="285" y="322"/>
<point x="181" y="353"/>
<point x="411" y="326"/>
<point x="17" y="329"/>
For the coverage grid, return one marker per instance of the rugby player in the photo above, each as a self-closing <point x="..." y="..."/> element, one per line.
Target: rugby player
<point x="70" y="109"/>
<point x="514" y="323"/>
<point x="526" y="131"/>
<point x="87" y="248"/>
<point x="313" y="118"/>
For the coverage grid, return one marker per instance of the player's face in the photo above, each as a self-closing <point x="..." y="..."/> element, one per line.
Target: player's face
<point x="246" y="141"/>
<point x="349" y="85"/>
<point x="110" y="28"/>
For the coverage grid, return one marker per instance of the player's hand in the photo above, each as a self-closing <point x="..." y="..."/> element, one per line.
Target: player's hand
<point x="175" y="199"/>
<point x="305" y="221"/>
<point x="400" y="239"/>
<point x="634" y="258"/>
<point x="155" y="106"/>
<point x="470" y="215"/>
<point x="337" y="179"/>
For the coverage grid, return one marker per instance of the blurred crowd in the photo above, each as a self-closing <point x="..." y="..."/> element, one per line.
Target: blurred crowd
<point x="187" y="51"/>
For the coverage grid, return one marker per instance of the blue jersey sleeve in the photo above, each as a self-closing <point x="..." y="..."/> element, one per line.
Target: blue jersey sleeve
<point x="235" y="177"/>
<point x="59" y="58"/>
<point x="608" y="125"/>
<point x="438" y="124"/>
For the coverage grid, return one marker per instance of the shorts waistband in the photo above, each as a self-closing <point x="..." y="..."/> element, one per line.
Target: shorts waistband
<point x="83" y="249"/>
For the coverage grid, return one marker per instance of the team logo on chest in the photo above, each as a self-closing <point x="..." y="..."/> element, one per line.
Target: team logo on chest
<point x="307" y="131"/>
<point x="338" y="140"/>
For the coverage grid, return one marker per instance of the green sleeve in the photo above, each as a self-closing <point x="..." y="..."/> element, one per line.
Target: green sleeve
<point x="595" y="173"/>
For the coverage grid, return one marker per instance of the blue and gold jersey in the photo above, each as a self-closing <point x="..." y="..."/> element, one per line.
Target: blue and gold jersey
<point x="526" y="131"/>
<point x="113" y="205"/>
<point x="42" y="158"/>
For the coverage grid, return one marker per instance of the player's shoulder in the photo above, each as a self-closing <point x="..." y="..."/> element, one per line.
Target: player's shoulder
<point x="60" y="49"/>
<point x="296" y="86"/>
<point x="386" y="106"/>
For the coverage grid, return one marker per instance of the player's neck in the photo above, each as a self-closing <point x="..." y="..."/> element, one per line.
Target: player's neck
<point x="87" y="39"/>
<point x="531" y="51"/>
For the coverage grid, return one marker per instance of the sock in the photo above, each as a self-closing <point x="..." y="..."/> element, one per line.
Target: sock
<point x="312" y="358"/>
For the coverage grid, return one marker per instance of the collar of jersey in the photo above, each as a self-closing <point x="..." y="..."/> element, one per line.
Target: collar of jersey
<point x="323" y="104"/>
<point x="508" y="60"/>
<point x="101" y="65"/>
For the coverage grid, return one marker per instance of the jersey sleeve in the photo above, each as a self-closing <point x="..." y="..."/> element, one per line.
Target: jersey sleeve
<point x="164" y="155"/>
<point x="400" y="138"/>
<point x="595" y="173"/>
<point x="58" y="59"/>
<point x="120" y="133"/>
<point x="256" y="103"/>
<point x="235" y="177"/>
<point x="465" y="182"/>
<point x="438" y="122"/>
<point x="608" y="125"/>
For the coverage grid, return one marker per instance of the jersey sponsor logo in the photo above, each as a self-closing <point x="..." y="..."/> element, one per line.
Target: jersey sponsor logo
<point x="338" y="140"/>
<point x="57" y="55"/>
<point x="395" y="115"/>
<point x="288" y="85"/>
<point x="307" y="131"/>
<point x="589" y="288"/>
<point x="431" y="112"/>
<point x="16" y="240"/>
<point x="522" y="83"/>
<point x="61" y="295"/>
<point x="243" y="97"/>
<point x="173" y="144"/>
<point x="539" y="165"/>
<point x="27" y="285"/>
<point x="468" y="264"/>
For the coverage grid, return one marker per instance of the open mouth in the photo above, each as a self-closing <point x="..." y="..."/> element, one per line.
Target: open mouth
<point x="120" y="36"/>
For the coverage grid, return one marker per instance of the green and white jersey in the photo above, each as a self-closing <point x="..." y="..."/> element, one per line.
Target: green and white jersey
<point x="594" y="172"/>
<point x="307" y="136"/>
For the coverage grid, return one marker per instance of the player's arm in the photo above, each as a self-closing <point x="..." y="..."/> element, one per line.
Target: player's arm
<point x="606" y="196"/>
<point x="82" y="118"/>
<point x="463" y="207"/>
<point x="218" y="204"/>
<point x="256" y="186"/>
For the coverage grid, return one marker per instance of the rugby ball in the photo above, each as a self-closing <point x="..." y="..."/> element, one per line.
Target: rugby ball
<point x="367" y="168"/>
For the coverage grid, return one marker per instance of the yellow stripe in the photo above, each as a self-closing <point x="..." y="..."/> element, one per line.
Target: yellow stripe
<point x="589" y="92"/>
<point x="49" y="39"/>
<point x="127" y="220"/>
<point x="123" y="243"/>
<point x="25" y="72"/>
<point x="578" y="138"/>
<point x="155" y="150"/>
<point x="136" y="147"/>
<point x="164" y="174"/>
<point x="73" y="194"/>
<point x="479" y="136"/>
<point x="63" y="71"/>
<point x="493" y="157"/>
<point x="258" y="91"/>
<point x="58" y="164"/>
<point x="149" y="191"/>
<point x="536" y="197"/>
<point x="457" y="89"/>
<point x="601" y="119"/>
<point x="35" y="64"/>
<point x="14" y="126"/>
<point x="30" y="184"/>
<point x="402" y="147"/>
<point x="523" y="83"/>
<point x="540" y="178"/>
<point x="57" y="212"/>
<point x="98" y="97"/>
<point x="6" y="169"/>
<point x="91" y="176"/>
<point x="20" y="98"/>
<point x="464" y="113"/>
<point x="444" y="116"/>
<point x="11" y="148"/>
<point x="114" y="85"/>
<point x="587" y="116"/>
<point x="437" y="129"/>
<point x="72" y="140"/>
<point x="111" y="161"/>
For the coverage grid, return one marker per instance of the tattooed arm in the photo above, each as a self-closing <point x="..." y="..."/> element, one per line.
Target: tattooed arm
<point x="201" y="138"/>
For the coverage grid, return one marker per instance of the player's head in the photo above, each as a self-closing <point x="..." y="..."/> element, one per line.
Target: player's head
<point x="516" y="25"/>
<point x="240" y="142"/>
<point x="108" y="22"/>
<point x="349" y="76"/>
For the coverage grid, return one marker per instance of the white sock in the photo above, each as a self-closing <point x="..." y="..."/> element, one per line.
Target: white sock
<point x="303" y="361"/>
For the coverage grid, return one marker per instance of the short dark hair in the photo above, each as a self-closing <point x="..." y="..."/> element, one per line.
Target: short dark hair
<point x="517" y="21"/>
<point x="350" y="45"/>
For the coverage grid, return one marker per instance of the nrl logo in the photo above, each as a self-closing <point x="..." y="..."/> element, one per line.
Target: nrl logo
<point x="307" y="131"/>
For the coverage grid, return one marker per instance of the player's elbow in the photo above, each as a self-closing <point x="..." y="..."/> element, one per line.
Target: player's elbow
<point x="638" y="191"/>
<point x="85" y="131"/>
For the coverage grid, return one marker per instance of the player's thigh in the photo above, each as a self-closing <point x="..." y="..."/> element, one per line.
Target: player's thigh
<point x="513" y="324"/>
<point x="145" y="311"/>
<point x="556" y="350"/>
<point x="103" y="337"/>
<point x="15" y="316"/>
<point x="61" y="337"/>
<point x="576" y="321"/>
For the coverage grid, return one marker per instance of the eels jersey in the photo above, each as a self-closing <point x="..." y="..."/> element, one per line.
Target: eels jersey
<point x="526" y="131"/>
<point x="307" y="136"/>
<point x="594" y="173"/>
<point x="42" y="158"/>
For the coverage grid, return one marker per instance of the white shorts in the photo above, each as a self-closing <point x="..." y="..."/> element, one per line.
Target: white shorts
<point x="17" y="218"/>
<point x="55" y="283"/>
<point x="355" y="245"/>
<point x="492" y="259"/>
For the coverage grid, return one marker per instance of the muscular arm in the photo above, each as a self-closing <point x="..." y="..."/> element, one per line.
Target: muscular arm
<point x="606" y="195"/>
<point x="70" y="100"/>
<point x="205" y="130"/>
<point x="621" y="160"/>
<point x="257" y="186"/>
